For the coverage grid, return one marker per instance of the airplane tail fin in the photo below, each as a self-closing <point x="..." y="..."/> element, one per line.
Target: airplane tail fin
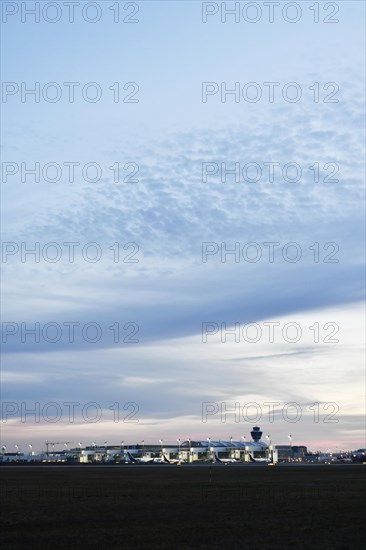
<point x="166" y="460"/>
<point x="132" y="459"/>
<point x="217" y="458"/>
<point x="251" y="458"/>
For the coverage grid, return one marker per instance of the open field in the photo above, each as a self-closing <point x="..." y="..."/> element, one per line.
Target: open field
<point x="184" y="507"/>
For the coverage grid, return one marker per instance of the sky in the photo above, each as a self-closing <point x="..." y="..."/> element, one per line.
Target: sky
<point x="149" y="251"/>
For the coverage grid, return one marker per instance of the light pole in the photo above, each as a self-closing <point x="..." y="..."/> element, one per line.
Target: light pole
<point x="244" y="443"/>
<point x="231" y="447"/>
<point x="30" y="447"/>
<point x="161" y="444"/>
<point x="122" y="449"/>
<point x="190" y="452"/>
<point x="94" y="447"/>
<point x="143" y="447"/>
<point x="290" y="438"/>
<point x="269" y="446"/>
<point x="209" y="448"/>
<point x="178" y="441"/>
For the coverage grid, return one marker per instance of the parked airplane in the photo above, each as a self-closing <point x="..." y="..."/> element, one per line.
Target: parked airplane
<point x="171" y="460"/>
<point x="260" y="460"/>
<point x="224" y="460"/>
<point x="143" y="460"/>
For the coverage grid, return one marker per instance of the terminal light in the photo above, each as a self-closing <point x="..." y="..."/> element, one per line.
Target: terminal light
<point x="178" y="441"/>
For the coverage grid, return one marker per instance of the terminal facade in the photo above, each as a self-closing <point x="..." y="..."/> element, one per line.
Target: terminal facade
<point x="189" y="450"/>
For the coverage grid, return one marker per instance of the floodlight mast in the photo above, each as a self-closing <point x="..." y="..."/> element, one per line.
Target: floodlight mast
<point x="209" y="448"/>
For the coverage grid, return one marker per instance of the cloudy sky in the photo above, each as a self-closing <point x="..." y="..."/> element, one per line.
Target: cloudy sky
<point x="136" y="322"/>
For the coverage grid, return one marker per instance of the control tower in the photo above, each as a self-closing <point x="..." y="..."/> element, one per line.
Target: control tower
<point x="256" y="434"/>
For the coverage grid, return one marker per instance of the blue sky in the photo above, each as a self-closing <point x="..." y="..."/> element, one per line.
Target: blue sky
<point x="170" y="211"/>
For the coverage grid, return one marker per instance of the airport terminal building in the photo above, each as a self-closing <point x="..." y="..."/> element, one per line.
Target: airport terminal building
<point x="239" y="450"/>
<point x="187" y="451"/>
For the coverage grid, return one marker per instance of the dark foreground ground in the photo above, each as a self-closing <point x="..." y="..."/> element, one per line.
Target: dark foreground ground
<point x="183" y="507"/>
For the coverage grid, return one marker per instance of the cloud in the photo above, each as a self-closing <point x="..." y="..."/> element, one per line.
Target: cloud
<point x="173" y="379"/>
<point x="170" y="292"/>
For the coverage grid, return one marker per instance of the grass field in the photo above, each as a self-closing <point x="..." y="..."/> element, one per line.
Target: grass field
<point x="183" y="507"/>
